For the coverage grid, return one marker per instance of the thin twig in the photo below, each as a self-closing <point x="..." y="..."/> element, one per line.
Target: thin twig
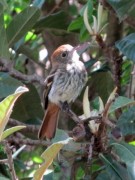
<point x="4" y="161"/>
<point x="103" y="125"/>
<point x="10" y="160"/>
<point x="28" y="141"/>
<point x="56" y="7"/>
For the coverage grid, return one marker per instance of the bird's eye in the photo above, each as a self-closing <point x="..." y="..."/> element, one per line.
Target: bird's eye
<point x="64" y="54"/>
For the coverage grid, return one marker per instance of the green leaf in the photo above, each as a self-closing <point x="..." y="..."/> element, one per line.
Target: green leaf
<point x="60" y="135"/>
<point x="127" y="46"/>
<point x="126" y="121"/>
<point x="89" y="4"/>
<point x="127" y="117"/>
<point x="22" y="23"/>
<point x="113" y="168"/>
<point x="49" y="176"/>
<point x="127" y="128"/>
<point x="4" y="178"/>
<point x="28" y="107"/>
<point x="84" y="35"/>
<point x="38" y="3"/>
<point x="76" y="24"/>
<point x="4" y="4"/>
<point x="72" y="146"/>
<point x="123" y="8"/>
<point x="126" y="153"/>
<point x="103" y="176"/>
<point x="102" y="83"/>
<point x="48" y="155"/>
<point x="6" y="107"/>
<point x="30" y="53"/>
<point x="121" y="102"/>
<point x="8" y="85"/>
<point x="4" y="50"/>
<point x="10" y="131"/>
<point x="58" y="20"/>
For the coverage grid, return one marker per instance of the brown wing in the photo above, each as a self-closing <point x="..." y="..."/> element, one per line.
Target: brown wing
<point x="48" y="85"/>
<point x="50" y="120"/>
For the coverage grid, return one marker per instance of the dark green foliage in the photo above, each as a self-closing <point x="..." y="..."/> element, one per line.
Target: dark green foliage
<point x="26" y="28"/>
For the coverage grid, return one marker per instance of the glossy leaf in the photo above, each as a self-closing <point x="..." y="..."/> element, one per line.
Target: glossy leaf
<point x="28" y="107"/>
<point x="6" y="107"/>
<point x="102" y="84"/>
<point x="123" y="8"/>
<point x="8" y="84"/>
<point x="4" y="178"/>
<point x="127" y="128"/>
<point x="48" y="155"/>
<point x="30" y="53"/>
<point x="103" y="176"/>
<point x="76" y="24"/>
<point x="121" y="102"/>
<point x="58" y="20"/>
<point x="60" y="135"/>
<point x="38" y="3"/>
<point x="10" y="131"/>
<point x="126" y="153"/>
<point x="127" y="117"/>
<point x="127" y="46"/>
<point x="126" y="121"/>
<point x="113" y="168"/>
<point x="22" y="23"/>
<point x="89" y="4"/>
<point x="4" y="4"/>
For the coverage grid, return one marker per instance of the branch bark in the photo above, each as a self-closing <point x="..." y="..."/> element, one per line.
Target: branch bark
<point x="7" y="67"/>
<point x="10" y="161"/>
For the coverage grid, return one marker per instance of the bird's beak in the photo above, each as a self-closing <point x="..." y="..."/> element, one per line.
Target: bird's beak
<point x="81" y="48"/>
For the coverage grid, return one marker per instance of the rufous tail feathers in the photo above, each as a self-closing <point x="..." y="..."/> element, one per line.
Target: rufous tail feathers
<point x="50" y="121"/>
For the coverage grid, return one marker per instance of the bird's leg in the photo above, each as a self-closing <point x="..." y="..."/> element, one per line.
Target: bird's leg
<point x="65" y="107"/>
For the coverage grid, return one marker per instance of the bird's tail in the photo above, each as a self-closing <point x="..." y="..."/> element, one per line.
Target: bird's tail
<point x="50" y="121"/>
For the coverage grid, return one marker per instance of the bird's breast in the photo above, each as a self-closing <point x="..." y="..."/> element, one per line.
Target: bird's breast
<point x="68" y="83"/>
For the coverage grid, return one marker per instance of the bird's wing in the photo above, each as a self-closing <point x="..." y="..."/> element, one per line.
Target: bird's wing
<point x="48" y="85"/>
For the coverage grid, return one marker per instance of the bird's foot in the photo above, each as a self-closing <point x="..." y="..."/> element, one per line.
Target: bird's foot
<point x="65" y="107"/>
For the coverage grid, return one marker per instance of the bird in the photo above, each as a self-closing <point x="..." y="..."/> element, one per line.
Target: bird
<point x="64" y="84"/>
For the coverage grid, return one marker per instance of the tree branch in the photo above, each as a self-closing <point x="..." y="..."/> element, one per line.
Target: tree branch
<point x="7" y="67"/>
<point x="29" y="128"/>
<point x="20" y="140"/>
<point x="4" y="161"/>
<point x="10" y="160"/>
